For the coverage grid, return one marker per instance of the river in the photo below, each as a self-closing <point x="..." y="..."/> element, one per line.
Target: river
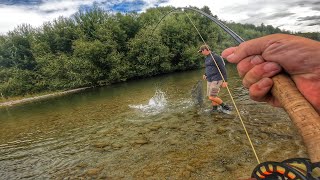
<point x="143" y="129"/>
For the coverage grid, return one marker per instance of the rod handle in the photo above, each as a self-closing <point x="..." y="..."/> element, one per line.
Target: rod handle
<point x="301" y="112"/>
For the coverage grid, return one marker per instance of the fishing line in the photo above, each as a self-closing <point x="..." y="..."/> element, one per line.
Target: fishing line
<point x="234" y="103"/>
<point x="287" y="168"/>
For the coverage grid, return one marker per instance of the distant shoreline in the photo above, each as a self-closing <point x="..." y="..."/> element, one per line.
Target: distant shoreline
<point x="36" y="98"/>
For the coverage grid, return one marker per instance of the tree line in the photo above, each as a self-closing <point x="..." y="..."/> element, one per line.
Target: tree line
<point x="94" y="48"/>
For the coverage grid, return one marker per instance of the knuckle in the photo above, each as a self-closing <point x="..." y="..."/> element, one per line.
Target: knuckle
<point x="243" y="68"/>
<point x="245" y="83"/>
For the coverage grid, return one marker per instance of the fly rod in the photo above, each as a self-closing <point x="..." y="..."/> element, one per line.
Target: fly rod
<point x="300" y="111"/>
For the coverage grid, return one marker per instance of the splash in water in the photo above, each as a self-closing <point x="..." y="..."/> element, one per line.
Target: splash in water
<point x="158" y="100"/>
<point x="156" y="104"/>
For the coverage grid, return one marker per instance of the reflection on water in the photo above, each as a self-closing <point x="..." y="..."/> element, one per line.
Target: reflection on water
<point x="148" y="129"/>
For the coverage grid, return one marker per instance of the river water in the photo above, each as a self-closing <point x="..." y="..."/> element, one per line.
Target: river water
<point x="143" y="129"/>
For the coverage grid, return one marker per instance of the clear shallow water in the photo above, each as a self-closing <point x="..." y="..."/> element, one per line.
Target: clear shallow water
<point x="144" y="129"/>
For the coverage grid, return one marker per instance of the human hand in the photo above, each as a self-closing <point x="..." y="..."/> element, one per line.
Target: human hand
<point x="224" y="84"/>
<point x="262" y="58"/>
<point x="204" y="77"/>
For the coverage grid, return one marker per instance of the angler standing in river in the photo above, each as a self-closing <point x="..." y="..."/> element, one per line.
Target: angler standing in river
<point x="215" y="67"/>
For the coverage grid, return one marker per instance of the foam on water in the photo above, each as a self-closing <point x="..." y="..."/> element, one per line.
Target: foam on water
<point x="155" y="106"/>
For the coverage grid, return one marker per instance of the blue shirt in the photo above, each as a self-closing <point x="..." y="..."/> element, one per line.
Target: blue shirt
<point x="212" y="71"/>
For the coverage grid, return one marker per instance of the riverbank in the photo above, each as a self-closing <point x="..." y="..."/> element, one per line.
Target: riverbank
<point x="37" y="98"/>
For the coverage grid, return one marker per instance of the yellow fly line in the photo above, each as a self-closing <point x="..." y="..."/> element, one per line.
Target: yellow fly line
<point x="234" y="103"/>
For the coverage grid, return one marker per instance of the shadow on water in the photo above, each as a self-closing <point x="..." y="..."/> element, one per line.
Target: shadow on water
<point x="146" y="129"/>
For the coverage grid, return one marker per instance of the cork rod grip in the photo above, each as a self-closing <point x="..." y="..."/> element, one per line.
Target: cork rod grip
<point x="301" y="112"/>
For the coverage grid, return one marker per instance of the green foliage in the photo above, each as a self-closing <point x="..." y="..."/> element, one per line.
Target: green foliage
<point x="191" y="59"/>
<point x="53" y="70"/>
<point x="57" y="37"/>
<point x="206" y="9"/>
<point x="147" y="56"/>
<point x="129" y="24"/>
<point x="175" y="34"/>
<point x="63" y="72"/>
<point x="312" y="35"/>
<point x="95" y="47"/>
<point x="14" y="82"/>
<point x="89" y="21"/>
<point x="153" y="15"/>
<point x="15" y="49"/>
<point x="104" y="60"/>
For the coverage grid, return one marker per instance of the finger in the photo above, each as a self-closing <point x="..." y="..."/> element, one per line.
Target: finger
<point x="248" y="63"/>
<point x="225" y="53"/>
<point x="259" y="91"/>
<point x="251" y="47"/>
<point x="266" y="69"/>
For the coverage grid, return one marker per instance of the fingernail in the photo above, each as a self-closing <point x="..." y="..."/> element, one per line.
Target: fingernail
<point x="256" y="60"/>
<point x="271" y="67"/>
<point x="230" y="56"/>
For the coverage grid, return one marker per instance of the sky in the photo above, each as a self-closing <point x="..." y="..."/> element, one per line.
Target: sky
<point x="292" y="15"/>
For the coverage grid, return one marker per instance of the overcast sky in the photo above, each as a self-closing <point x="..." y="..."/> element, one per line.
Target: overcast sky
<point x="293" y="15"/>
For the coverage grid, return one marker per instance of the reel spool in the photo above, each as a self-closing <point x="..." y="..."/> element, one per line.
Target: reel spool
<point x="295" y="169"/>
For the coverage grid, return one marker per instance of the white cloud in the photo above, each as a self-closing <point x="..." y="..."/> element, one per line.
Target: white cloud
<point x="14" y="16"/>
<point x="261" y="11"/>
<point x="278" y="13"/>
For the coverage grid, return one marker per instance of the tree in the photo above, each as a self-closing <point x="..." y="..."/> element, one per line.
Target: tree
<point x="58" y="35"/>
<point x="16" y="48"/>
<point x="147" y="55"/>
<point x="206" y="9"/>
<point x="95" y="47"/>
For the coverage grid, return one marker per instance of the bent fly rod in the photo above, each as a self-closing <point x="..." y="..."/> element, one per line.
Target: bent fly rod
<point x="300" y="111"/>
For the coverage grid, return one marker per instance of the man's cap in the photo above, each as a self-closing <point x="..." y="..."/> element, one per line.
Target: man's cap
<point x="203" y="47"/>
